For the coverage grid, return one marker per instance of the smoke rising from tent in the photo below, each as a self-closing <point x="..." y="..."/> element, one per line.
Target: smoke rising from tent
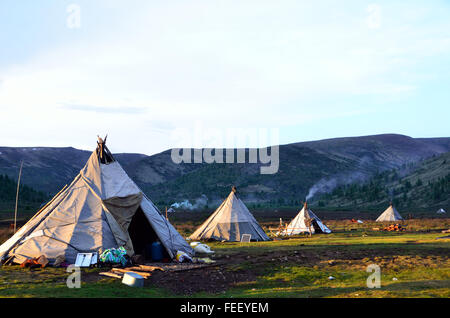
<point x="391" y="194"/>
<point x="200" y="202"/>
<point x="323" y="186"/>
<point x="326" y="185"/>
<point x="182" y="205"/>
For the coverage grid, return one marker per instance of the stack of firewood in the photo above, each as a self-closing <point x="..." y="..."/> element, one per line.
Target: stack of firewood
<point x="394" y="228"/>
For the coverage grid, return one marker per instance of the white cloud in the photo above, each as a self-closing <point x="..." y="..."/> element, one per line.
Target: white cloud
<point x="228" y="65"/>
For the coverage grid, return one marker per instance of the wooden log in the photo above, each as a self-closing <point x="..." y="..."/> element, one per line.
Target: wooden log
<point x="148" y="268"/>
<point x="120" y="270"/>
<point x="109" y="274"/>
<point x="126" y="270"/>
<point x="140" y="270"/>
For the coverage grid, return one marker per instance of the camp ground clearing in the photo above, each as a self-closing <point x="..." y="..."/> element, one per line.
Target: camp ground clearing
<point x="414" y="263"/>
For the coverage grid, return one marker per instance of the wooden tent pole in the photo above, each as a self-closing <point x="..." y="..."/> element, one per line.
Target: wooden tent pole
<point x="17" y="197"/>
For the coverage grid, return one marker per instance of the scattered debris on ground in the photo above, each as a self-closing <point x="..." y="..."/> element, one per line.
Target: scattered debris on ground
<point x="147" y="270"/>
<point x="394" y="228"/>
<point x="143" y="270"/>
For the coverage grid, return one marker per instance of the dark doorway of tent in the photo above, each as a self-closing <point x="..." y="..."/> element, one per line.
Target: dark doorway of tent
<point x="145" y="240"/>
<point x="316" y="227"/>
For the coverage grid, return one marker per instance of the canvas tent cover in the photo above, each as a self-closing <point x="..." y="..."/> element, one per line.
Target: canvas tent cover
<point x="298" y="225"/>
<point x="92" y="214"/>
<point x="390" y="214"/>
<point x="441" y="211"/>
<point x="229" y="222"/>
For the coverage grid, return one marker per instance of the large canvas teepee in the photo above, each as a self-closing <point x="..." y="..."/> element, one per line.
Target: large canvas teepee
<point x="299" y="223"/>
<point x="390" y="214"/>
<point x="229" y="222"/>
<point x="102" y="208"/>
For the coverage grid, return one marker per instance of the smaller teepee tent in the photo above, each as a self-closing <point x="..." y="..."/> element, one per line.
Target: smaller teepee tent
<point x="229" y="222"/>
<point x="299" y="223"/>
<point x="390" y="214"/>
<point x="441" y="211"/>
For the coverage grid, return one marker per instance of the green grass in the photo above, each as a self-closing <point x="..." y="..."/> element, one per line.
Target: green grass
<point x="349" y="240"/>
<point x="300" y="281"/>
<point x="420" y="271"/>
<point x="51" y="282"/>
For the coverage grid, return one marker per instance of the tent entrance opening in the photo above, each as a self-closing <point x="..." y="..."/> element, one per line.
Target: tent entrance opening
<point x="316" y="226"/>
<point x="143" y="236"/>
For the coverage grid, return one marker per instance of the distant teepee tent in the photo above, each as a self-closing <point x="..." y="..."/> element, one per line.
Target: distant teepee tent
<point x="390" y="214"/>
<point x="229" y="222"/>
<point x="299" y="223"/>
<point x="102" y="208"/>
<point x="441" y="211"/>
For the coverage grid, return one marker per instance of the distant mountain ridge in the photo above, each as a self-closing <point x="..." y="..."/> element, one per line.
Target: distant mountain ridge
<point x="48" y="169"/>
<point x="420" y="185"/>
<point x="391" y="149"/>
<point x="303" y="166"/>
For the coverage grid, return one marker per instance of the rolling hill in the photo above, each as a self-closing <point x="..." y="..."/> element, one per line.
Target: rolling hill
<point x="418" y="186"/>
<point x="29" y="198"/>
<point x="48" y="169"/>
<point x="306" y="169"/>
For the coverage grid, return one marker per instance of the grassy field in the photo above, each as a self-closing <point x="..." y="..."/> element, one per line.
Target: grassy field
<point x="414" y="263"/>
<point x="411" y="265"/>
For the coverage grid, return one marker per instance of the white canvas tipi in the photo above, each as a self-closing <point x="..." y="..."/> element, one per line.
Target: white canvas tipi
<point x="390" y="214"/>
<point x="229" y="222"/>
<point x="102" y="208"/>
<point x="441" y="211"/>
<point x="298" y="224"/>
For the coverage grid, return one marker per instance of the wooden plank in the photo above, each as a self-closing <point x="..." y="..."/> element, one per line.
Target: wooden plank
<point x="109" y="274"/>
<point x="143" y="274"/>
<point x="146" y="268"/>
<point x="139" y="269"/>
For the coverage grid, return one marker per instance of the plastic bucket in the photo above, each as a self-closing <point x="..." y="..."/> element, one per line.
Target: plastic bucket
<point x="157" y="251"/>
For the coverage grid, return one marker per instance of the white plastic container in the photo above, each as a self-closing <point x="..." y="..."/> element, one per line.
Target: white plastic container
<point x="203" y="248"/>
<point x="133" y="280"/>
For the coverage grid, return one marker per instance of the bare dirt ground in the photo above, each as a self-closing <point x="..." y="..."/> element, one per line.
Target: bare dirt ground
<point x="212" y="279"/>
<point x="240" y="268"/>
